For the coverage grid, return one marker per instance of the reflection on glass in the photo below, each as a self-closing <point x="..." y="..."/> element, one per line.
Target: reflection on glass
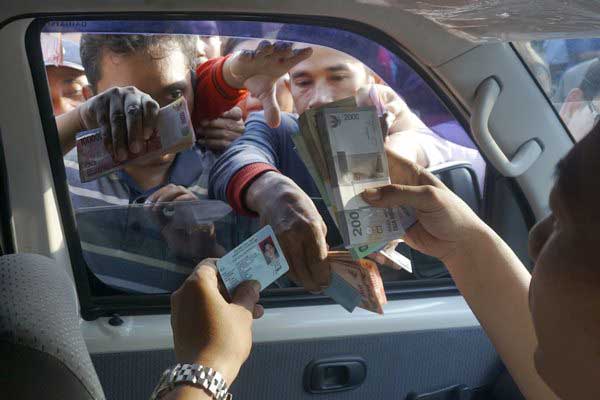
<point x="151" y="248"/>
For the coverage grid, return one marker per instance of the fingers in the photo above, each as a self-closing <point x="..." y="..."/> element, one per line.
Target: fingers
<point x="316" y="253"/>
<point x="223" y="123"/>
<point x="150" y="113"/>
<point x="298" y="55"/>
<point x="270" y="107"/>
<point x="126" y="117"/>
<point x="170" y="193"/>
<point x="283" y="49"/>
<point x="134" y="122"/>
<point x="102" y="118"/>
<point x="406" y="172"/>
<point x="235" y="114"/>
<point x="422" y="198"/>
<point x="205" y="276"/>
<point x="247" y="295"/>
<point x="219" y="133"/>
<point x="264" y="48"/>
<point x="299" y="272"/>
<point x="118" y="125"/>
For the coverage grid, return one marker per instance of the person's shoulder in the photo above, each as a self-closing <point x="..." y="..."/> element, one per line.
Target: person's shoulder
<point x="289" y="121"/>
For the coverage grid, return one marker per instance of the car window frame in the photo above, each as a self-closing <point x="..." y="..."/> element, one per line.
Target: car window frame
<point x="93" y="307"/>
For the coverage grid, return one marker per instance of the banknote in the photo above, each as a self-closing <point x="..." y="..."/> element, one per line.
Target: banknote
<point x="361" y="251"/>
<point x="174" y="134"/>
<point x="355" y="282"/>
<point x="352" y="143"/>
<point x="258" y="258"/>
<point x="392" y="258"/>
<point x="364" y="277"/>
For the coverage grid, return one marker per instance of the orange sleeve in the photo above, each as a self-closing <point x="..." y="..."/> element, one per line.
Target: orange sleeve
<point x="212" y="95"/>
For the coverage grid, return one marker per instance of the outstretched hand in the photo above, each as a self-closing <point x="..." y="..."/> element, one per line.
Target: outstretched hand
<point x="258" y="71"/>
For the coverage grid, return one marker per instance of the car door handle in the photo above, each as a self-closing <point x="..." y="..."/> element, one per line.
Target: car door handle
<point x="334" y="374"/>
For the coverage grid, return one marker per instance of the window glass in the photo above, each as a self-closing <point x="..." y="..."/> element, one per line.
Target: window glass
<point x="142" y="228"/>
<point x="568" y="70"/>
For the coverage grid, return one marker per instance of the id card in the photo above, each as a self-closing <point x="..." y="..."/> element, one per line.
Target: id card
<point x="258" y="258"/>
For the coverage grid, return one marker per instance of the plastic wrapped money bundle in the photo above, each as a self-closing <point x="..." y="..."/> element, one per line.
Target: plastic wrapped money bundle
<point x="342" y="146"/>
<point x="174" y="134"/>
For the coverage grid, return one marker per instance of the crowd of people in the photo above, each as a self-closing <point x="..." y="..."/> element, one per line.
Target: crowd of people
<point x="245" y="106"/>
<point x="243" y="124"/>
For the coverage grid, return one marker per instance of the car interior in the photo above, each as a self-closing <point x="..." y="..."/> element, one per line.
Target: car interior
<point x="73" y="330"/>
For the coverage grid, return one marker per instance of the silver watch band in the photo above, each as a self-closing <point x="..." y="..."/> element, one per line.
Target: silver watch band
<point x="195" y="375"/>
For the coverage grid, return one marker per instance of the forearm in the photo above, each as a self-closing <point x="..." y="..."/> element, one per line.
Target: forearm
<point x="495" y="284"/>
<point x="229" y="76"/>
<point x="187" y="392"/>
<point x="68" y="124"/>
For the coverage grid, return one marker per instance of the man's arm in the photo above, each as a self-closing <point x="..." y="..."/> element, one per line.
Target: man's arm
<point x="246" y="177"/>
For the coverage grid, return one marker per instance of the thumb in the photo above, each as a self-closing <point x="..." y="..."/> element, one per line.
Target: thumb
<point x="235" y="113"/>
<point x="246" y="295"/>
<point x="271" y="108"/>
<point x="421" y="198"/>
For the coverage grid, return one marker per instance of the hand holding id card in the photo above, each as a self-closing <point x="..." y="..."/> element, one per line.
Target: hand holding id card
<point x="258" y="258"/>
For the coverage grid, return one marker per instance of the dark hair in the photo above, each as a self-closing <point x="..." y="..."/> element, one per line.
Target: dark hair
<point x="92" y="47"/>
<point x="590" y="85"/>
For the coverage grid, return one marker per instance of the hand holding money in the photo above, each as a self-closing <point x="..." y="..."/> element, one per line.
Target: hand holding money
<point x="261" y="258"/>
<point x="172" y="133"/>
<point x="300" y="228"/>
<point x="126" y="117"/>
<point x="445" y="225"/>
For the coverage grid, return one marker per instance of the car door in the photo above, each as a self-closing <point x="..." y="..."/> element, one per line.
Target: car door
<point x="428" y="340"/>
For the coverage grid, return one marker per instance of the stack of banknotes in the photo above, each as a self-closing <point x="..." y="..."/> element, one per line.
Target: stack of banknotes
<point x="355" y="283"/>
<point x="174" y="133"/>
<point x="342" y="146"/>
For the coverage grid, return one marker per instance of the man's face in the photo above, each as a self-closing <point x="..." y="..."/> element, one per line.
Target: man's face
<point x="66" y="88"/>
<point x="163" y="74"/>
<point x="565" y="286"/>
<point x="328" y="75"/>
<point x="208" y="47"/>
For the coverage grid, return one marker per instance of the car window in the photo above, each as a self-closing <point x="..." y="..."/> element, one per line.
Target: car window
<point x="142" y="232"/>
<point x="568" y="70"/>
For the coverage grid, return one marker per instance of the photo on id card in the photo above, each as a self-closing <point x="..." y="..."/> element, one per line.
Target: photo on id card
<point x="258" y="258"/>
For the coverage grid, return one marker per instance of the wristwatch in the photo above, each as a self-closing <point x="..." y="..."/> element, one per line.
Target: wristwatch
<point x="194" y="375"/>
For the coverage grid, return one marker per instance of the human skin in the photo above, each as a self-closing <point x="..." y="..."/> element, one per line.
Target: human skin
<point x="328" y="75"/>
<point x="284" y="97"/>
<point x="209" y="330"/>
<point x="66" y="88"/>
<point x="545" y="326"/>
<point x="133" y="87"/>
